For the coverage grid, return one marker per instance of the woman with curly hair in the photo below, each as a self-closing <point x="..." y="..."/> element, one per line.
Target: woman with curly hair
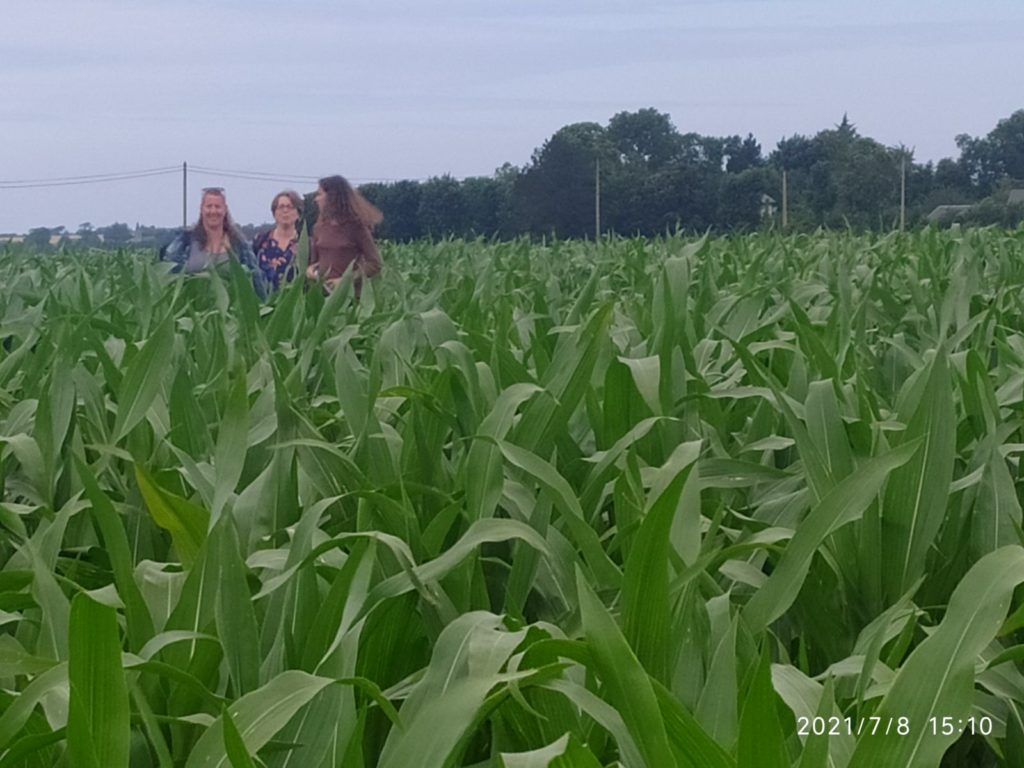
<point x="342" y="236"/>
<point x="275" y="248"/>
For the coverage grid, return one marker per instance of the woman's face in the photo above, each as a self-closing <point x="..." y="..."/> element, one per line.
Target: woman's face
<point x="212" y="211"/>
<point x="321" y="199"/>
<point x="285" y="214"/>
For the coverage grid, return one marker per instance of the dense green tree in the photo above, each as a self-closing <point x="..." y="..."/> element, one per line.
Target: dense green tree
<point x="742" y="154"/>
<point x="486" y="202"/>
<point x="796" y="153"/>
<point x="977" y="163"/>
<point x="38" y="237"/>
<point x="555" y="194"/>
<point x="1007" y="143"/>
<point x="87" y="237"/>
<point x="704" y="152"/>
<point x="116" y="234"/>
<point x="442" y="209"/>
<point x="669" y="180"/>
<point x="998" y="156"/>
<point x="742" y="200"/>
<point x="646" y="138"/>
<point x="868" y="183"/>
<point x="399" y="202"/>
<point x="685" y="195"/>
<point x="403" y="205"/>
<point x="151" y="237"/>
<point x="839" y="178"/>
<point x="952" y="175"/>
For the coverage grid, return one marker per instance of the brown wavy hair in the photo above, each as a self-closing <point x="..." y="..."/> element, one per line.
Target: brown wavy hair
<point x="346" y="202"/>
<point x="235" y="236"/>
<point x="293" y="198"/>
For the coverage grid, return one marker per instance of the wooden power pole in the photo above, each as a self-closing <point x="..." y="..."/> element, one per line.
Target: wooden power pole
<point x="903" y="193"/>
<point x="184" y="195"/>
<point x="785" y="201"/>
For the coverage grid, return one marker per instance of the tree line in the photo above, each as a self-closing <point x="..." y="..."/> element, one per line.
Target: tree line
<point x="655" y="179"/>
<point x="113" y="236"/>
<point x="652" y="179"/>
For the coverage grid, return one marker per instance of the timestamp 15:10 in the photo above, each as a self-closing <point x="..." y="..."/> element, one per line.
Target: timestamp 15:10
<point x="893" y="726"/>
<point x="954" y="726"/>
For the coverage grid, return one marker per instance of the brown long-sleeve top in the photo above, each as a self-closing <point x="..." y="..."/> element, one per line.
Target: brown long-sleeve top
<point x="335" y="245"/>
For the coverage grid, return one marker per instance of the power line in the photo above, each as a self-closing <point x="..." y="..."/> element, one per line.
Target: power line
<point x="102" y="178"/>
<point x="89" y="176"/>
<point x="253" y="175"/>
<point x="261" y="176"/>
<point x="99" y="178"/>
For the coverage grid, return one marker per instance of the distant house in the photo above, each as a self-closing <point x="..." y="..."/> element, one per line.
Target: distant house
<point x="1016" y="197"/>
<point x="946" y="213"/>
<point x="56" y="240"/>
<point x="768" y="207"/>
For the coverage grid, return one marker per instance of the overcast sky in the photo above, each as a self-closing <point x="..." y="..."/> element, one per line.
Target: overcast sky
<point x="389" y="90"/>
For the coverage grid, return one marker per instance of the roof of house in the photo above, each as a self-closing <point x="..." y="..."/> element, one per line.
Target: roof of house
<point x="946" y="211"/>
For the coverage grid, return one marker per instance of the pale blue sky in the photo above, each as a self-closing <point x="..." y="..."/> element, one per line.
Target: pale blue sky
<point x="388" y="90"/>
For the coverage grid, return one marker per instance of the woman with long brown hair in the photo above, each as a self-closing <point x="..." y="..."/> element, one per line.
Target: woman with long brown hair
<point x="212" y="242"/>
<point x="342" y="236"/>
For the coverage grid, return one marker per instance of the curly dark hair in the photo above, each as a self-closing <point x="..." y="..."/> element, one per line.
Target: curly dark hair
<point x="345" y="202"/>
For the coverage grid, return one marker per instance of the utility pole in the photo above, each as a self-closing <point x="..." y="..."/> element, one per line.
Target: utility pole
<point x="597" y="200"/>
<point x="184" y="195"/>
<point x="785" y="201"/>
<point x="903" y="193"/>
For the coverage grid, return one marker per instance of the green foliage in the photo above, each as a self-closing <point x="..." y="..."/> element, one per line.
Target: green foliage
<point x="638" y="503"/>
<point x="98" y="716"/>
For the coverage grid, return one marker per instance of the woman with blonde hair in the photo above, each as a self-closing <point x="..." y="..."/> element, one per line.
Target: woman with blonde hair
<point x="342" y="236"/>
<point x="212" y="241"/>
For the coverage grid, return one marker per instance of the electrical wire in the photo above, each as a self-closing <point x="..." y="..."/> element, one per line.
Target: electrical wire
<point x="261" y="176"/>
<point x="91" y="175"/>
<point x="102" y="178"/>
<point x="93" y="179"/>
<point x="257" y="175"/>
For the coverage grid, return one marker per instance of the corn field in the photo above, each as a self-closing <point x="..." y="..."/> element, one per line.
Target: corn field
<point x="748" y="502"/>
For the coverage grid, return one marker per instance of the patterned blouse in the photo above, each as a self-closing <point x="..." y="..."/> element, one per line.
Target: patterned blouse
<point x="275" y="262"/>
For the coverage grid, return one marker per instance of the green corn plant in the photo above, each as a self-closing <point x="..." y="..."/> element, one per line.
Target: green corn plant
<point x="730" y="502"/>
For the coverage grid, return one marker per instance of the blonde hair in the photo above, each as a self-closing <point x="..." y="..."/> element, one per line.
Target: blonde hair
<point x="233" y="232"/>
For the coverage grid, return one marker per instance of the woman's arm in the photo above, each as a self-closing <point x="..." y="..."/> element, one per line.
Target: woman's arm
<point x="177" y="250"/>
<point x="259" y="242"/>
<point x="313" y="265"/>
<point x="248" y="260"/>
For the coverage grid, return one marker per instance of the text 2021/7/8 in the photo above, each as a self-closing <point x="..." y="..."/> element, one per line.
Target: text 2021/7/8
<point x="898" y="726"/>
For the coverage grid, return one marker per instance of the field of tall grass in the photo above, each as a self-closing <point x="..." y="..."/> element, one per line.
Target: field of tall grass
<point x="748" y="502"/>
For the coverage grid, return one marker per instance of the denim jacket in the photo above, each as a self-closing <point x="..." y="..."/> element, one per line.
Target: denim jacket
<point x="183" y="246"/>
